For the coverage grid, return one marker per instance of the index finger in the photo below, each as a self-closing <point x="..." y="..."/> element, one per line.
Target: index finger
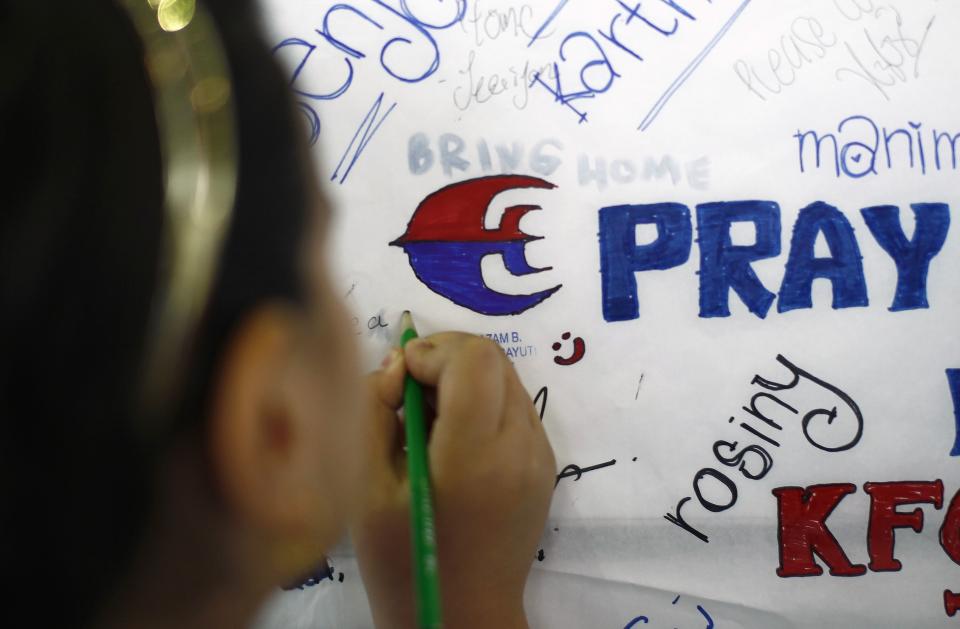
<point x="470" y="375"/>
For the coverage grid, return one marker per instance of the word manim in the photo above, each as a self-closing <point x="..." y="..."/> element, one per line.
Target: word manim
<point x="860" y="148"/>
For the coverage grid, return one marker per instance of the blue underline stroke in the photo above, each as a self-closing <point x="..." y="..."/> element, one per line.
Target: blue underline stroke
<point x="678" y="83"/>
<point x="368" y="128"/>
<point x="550" y="19"/>
<point x="701" y="609"/>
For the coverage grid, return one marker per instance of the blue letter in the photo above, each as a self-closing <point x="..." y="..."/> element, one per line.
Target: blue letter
<point x="912" y="257"/>
<point x="620" y="257"/>
<point x="724" y="265"/>
<point x="294" y="41"/>
<point x="844" y="267"/>
<point x="953" y="378"/>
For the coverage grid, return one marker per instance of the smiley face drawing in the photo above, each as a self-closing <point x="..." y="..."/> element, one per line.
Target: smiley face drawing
<point x="579" y="351"/>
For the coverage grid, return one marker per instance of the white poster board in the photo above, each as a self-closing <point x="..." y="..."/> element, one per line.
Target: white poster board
<point x="739" y="283"/>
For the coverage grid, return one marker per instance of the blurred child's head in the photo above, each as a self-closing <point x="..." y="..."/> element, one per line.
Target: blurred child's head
<point x="251" y="478"/>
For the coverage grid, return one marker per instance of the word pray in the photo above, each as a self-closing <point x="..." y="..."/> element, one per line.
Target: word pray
<point x="726" y="267"/>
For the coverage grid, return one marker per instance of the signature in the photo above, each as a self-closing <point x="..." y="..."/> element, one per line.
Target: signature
<point x="889" y="53"/>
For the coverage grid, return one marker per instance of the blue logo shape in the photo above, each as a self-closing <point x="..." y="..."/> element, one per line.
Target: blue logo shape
<point x="446" y="242"/>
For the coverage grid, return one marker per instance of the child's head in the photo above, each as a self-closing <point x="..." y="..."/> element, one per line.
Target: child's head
<point x="252" y="476"/>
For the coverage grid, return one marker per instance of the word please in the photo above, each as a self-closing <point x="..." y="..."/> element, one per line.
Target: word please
<point x="725" y="266"/>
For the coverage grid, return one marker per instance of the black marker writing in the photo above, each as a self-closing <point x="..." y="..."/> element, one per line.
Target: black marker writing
<point x="577" y="471"/>
<point x="542" y="393"/>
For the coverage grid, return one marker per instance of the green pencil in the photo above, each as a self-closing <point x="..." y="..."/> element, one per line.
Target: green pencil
<point x="423" y="530"/>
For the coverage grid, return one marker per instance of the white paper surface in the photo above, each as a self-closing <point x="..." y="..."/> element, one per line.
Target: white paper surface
<point x="655" y="393"/>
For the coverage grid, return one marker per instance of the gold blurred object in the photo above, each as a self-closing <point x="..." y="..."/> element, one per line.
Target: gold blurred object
<point x="192" y="91"/>
<point x="174" y="15"/>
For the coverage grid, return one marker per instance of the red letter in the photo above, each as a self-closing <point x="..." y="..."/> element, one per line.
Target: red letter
<point x="884" y="517"/>
<point x="951" y="602"/>
<point x="802" y="531"/>
<point x="950" y="531"/>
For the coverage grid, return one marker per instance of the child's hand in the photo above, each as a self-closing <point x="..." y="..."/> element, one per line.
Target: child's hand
<point x="492" y="471"/>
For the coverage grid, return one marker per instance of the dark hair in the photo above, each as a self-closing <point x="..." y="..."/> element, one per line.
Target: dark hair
<point x="80" y="235"/>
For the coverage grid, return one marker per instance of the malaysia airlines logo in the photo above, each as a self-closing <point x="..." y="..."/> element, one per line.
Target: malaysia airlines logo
<point x="446" y="241"/>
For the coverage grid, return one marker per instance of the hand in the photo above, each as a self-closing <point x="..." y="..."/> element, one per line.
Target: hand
<point x="492" y="471"/>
